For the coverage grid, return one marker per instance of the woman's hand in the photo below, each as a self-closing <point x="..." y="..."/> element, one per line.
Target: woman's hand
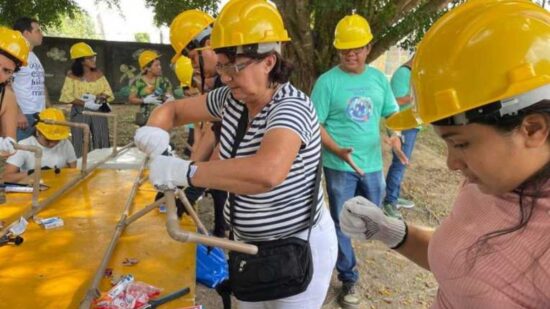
<point x="152" y="140"/>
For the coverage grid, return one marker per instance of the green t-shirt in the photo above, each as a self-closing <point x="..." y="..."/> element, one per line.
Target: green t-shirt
<point x="401" y="84"/>
<point x="349" y="107"/>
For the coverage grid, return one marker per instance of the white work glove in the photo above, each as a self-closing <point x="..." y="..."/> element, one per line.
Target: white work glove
<point x="91" y="105"/>
<point x="152" y="99"/>
<point x="6" y="146"/>
<point x="89" y="102"/>
<point x="167" y="172"/>
<point x="169" y="98"/>
<point x="152" y="140"/>
<point x="361" y="219"/>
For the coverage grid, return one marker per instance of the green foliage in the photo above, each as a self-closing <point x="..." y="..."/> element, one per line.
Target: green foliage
<point x="142" y="37"/>
<point x="166" y="10"/>
<point x="80" y="25"/>
<point x="48" y="12"/>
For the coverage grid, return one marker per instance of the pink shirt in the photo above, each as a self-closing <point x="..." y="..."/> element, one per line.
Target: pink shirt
<point x="515" y="273"/>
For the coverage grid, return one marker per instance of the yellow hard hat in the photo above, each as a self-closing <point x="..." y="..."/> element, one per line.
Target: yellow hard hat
<point x="80" y="50"/>
<point x="185" y="27"/>
<point x="352" y="31"/>
<point x="146" y="57"/>
<point x="481" y="52"/>
<point x="52" y="132"/>
<point x="13" y="43"/>
<point x="243" y="22"/>
<point x="184" y="71"/>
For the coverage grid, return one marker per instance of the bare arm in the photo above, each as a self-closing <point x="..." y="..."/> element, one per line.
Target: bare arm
<point x="134" y="99"/>
<point x="404" y="100"/>
<point x="415" y="247"/>
<point x="180" y="112"/>
<point x="13" y="174"/>
<point x="9" y="114"/>
<point x="254" y="174"/>
<point x="202" y="150"/>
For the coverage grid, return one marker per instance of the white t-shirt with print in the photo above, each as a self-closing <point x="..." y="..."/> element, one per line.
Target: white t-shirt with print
<point x="29" y="88"/>
<point x="58" y="156"/>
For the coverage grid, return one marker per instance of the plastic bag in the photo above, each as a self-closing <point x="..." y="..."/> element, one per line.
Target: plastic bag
<point x="127" y="294"/>
<point x="211" y="267"/>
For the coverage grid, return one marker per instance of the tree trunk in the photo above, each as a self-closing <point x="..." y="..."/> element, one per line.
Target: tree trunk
<point x="300" y="51"/>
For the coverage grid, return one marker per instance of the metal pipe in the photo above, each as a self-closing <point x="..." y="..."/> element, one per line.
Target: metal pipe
<point x="191" y="211"/>
<point x="85" y="141"/>
<point x="115" y="125"/>
<point x="142" y="212"/>
<point x="68" y="186"/>
<point x="175" y="231"/>
<point x="37" y="170"/>
<point x="93" y="291"/>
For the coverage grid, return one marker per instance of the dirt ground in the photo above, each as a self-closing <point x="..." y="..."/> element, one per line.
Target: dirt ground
<point x="387" y="280"/>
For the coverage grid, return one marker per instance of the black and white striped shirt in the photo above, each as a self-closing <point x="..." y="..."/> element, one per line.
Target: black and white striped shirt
<point x="284" y="210"/>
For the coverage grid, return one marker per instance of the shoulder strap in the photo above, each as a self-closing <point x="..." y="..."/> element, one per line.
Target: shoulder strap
<point x="239" y="135"/>
<point x="241" y="130"/>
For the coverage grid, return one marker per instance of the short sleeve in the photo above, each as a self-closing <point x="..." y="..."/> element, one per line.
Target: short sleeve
<point x="321" y="96"/>
<point x="68" y="91"/>
<point x="18" y="159"/>
<point x="296" y="114"/>
<point x="215" y="100"/>
<point x="390" y="104"/>
<point x="400" y="82"/>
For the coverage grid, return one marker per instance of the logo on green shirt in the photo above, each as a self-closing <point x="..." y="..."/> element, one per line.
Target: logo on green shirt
<point x="359" y="109"/>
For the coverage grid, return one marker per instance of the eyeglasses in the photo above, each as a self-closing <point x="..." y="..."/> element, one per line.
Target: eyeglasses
<point x="90" y="58"/>
<point x="355" y="51"/>
<point x="232" y="69"/>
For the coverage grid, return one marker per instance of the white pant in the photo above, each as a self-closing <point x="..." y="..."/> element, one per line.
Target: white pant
<point x="324" y="250"/>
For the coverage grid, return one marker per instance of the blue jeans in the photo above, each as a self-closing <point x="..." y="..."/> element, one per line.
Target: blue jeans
<point x="24" y="133"/>
<point x="342" y="186"/>
<point x="397" y="169"/>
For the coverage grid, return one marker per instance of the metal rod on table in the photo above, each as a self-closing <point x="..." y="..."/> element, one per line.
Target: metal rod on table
<point x="37" y="170"/>
<point x="85" y="141"/>
<point x="93" y="291"/>
<point x="145" y="210"/>
<point x="175" y="231"/>
<point x="183" y="198"/>
<point x="115" y="125"/>
<point x="68" y="186"/>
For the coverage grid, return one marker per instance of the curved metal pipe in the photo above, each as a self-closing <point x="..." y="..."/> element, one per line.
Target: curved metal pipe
<point x="175" y="231"/>
<point x="85" y="141"/>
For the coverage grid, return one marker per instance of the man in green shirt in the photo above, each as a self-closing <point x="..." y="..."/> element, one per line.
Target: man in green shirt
<point x="400" y="84"/>
<point x="350" y="99"/>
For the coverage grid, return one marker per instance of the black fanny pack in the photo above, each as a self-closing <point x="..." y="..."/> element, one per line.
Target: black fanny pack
<point x="281" y="268"/>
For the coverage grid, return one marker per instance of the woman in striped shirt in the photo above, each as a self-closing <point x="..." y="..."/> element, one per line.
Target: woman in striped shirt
<point x="273" y="171"/>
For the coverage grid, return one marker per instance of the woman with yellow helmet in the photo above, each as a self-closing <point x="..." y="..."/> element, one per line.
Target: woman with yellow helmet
<point x="270" y="152"/>
<point x="57" y="150"/>
<point x="14" y="51"/>
<point x="481" y="76"/>
<point x="87" y="89"/>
